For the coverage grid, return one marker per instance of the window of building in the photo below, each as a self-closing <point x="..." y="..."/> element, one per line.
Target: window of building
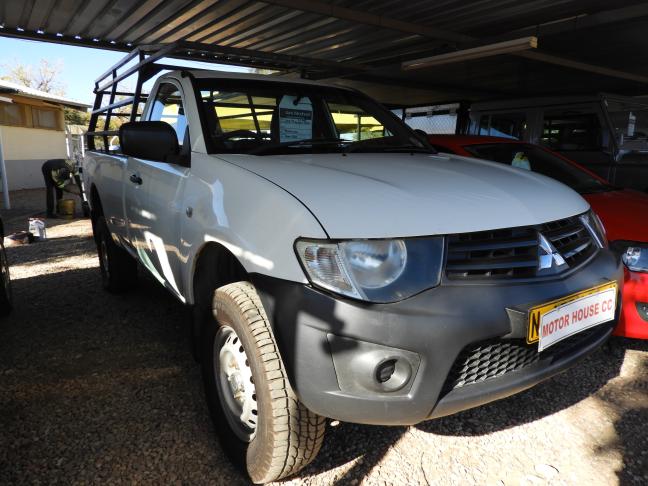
<point x="45" y="118"/>
<point x="28" y="116"/>
<point x="12" y="114"/>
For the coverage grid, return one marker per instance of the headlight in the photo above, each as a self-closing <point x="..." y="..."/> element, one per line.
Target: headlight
<point x="373" y="270"/>
<point x="595" y="226"/>
<point x="636" y="258"/>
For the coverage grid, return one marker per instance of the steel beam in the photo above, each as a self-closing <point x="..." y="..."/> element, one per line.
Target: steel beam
<point x="505" y="47"/>
<point x="581" y="66"/>
<point x="367" y="18"/>
<point x="579" y="22"/>
<point x="67" y="40"/>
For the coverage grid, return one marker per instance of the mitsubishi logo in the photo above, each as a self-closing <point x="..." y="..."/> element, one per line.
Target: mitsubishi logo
<point x="548" y="256"/>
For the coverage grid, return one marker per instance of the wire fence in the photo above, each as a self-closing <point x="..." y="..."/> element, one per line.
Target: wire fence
<point x="433" y="119"/>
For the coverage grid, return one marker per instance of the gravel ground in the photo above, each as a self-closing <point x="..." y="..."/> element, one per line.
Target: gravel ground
<point x="96" y="388"/>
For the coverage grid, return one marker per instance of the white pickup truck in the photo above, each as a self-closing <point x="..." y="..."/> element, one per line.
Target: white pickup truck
<point x="337" y="266"/>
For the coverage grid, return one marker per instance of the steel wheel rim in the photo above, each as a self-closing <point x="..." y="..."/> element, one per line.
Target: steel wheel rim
<point x="235" y="384"/>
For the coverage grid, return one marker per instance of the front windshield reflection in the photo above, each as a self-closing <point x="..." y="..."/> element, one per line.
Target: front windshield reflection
<point x="259" y="117"/>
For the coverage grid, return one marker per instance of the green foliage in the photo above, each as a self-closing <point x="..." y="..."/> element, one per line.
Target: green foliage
<point x="76" y="117"/>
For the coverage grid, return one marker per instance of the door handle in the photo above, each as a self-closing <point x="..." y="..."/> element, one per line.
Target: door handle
<point x="135" y="179"/>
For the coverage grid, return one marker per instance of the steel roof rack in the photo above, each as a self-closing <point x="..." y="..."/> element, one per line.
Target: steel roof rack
<point x="147" y="66"/>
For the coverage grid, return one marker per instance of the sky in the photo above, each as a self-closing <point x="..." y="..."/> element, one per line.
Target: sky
<point x="81" y="65"/>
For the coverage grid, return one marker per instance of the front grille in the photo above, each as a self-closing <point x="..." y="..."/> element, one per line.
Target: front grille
<point x="486" y="360"/>
<point x="513" y="252"/>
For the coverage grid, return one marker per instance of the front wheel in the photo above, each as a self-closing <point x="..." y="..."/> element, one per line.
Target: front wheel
<point x="261" y="424"/>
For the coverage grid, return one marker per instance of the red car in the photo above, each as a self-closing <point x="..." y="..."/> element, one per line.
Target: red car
<point x="624" y="212"/>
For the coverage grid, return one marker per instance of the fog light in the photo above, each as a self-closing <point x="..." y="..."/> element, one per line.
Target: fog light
<point x="385" y="370"/>
<point x="364" y="368"/>
<point x="642" y="308"/>
<point x="391" y="374"/>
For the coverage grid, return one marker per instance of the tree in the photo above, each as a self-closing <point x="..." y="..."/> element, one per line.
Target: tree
<point x="44" y="77"/>
<point x="76" y="117"/>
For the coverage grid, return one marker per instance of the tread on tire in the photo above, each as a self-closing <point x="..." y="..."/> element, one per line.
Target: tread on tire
<point x="288" y="435"/>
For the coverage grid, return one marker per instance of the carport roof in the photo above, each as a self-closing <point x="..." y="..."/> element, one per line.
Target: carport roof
<point x="583" y="45"/>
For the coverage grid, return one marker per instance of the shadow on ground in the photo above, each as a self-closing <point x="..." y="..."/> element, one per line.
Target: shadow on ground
<point x="63" y="247"/>
<point x="349" y="442"/>
<point x="547" y="398"/>
<point x="101" y="388"/>
<point x="628" y="399"/>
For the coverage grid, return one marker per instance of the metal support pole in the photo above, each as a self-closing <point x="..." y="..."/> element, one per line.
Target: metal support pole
<point x="5" y="183"/>
<point x="68" y="136"/>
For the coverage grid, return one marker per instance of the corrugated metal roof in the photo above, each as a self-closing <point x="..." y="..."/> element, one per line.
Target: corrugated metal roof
<point x="9" y="87"/>
<point x="367" y="40"/>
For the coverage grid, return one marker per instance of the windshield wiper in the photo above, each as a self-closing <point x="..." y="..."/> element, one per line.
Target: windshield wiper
<point x="297" y="143"/>
<point x="358" y="146"/>
<point x="595" y="188"/>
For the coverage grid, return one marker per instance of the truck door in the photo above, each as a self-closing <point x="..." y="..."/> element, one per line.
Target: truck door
<point x="154" y="195"/>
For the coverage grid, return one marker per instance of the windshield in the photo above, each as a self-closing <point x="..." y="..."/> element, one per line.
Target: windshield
<point x="536" y="159"/>
<point x="268" y="117"/>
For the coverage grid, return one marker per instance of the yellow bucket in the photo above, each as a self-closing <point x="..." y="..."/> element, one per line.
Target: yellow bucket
<point x="66" y="208"/>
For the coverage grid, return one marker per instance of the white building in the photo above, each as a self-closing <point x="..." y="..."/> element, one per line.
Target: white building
<point x="32" y="130"/>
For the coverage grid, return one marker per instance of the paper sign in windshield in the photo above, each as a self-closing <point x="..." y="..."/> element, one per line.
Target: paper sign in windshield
<point x="295" y="119"/>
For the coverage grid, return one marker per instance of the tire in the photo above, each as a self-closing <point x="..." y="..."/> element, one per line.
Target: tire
<point x="6" y="294"/>
<point x="286" y="436"/>
<point x="85" y="209"/>
<point x="118" y="268"/>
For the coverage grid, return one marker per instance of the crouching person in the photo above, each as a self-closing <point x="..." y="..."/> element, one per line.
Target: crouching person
<point x="60" y="175"/>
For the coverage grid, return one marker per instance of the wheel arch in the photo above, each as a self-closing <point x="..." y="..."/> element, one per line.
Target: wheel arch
<point x="95" y="200"/>
<point x="216" y="259"/>
<point x="96" y="209"/>
<point x="213" y="266"/>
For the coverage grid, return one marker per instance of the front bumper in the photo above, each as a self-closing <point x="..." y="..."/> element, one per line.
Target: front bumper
<point x="327" y="341"/>
<point x="633" y="322"/>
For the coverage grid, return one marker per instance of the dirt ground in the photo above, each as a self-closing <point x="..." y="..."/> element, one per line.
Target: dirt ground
<point x="97" y="388"/>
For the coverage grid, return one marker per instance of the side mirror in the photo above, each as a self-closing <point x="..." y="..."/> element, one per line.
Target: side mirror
<point x="150" y="140"/>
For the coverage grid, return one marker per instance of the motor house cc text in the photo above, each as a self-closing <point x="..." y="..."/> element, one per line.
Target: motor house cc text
<point x="577" y="316"/>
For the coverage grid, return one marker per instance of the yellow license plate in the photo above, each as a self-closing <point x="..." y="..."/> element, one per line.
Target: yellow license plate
<point x="573" y="319"/>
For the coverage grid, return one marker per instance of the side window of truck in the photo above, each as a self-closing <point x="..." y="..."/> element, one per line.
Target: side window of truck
<point x="168" y="108"/>
<point x="508" y="125"/>
<point x="571" y="132"/>
<point x="352" y="123"/>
